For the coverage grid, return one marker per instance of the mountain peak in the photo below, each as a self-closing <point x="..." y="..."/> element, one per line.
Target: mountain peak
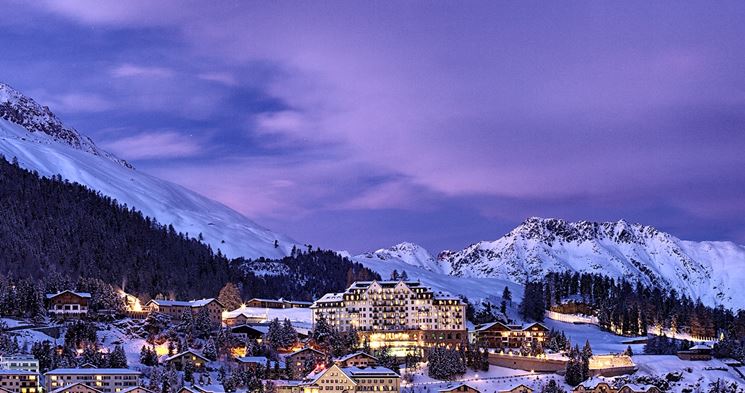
<point x="17" y="108"/>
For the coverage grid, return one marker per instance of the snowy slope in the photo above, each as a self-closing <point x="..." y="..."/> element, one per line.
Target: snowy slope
<point x="712" y="271"/>
<point x="35" y="136"/>
<point x="474" y="288"/>
<point x="412" y="254"/>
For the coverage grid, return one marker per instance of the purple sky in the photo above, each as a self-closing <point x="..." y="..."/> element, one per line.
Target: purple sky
<point x="356" y="125"/>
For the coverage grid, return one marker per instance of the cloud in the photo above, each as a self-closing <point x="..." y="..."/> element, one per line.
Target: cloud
<point x="219" y="77"/>
<point x="155" y="145"/>
<point x="74" y="102"/>
<point x="131" y="70"/>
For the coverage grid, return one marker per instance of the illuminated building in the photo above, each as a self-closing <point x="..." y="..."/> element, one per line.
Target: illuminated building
<point x="176" y="308"/>
<point x="402" y="315"/>
<point x="179" y="360"/>
<point x="68" y="304"/>
<point x="353" y="379"/>
<point x="499" y="335"/>
<point x="107" y="380"/>
<point x="19" y="381"/>
<point x="242" y="316"/>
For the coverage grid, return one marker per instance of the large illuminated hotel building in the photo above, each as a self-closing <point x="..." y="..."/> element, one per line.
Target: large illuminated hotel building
<point x="405" y="316"/>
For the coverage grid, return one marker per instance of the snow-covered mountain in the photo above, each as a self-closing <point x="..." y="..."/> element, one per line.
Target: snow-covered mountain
<point x="712" y="271"/>
<point x="410" y="253"/>
<point x="38" y="139"/>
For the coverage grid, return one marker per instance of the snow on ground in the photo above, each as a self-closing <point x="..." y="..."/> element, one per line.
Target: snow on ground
<point x="602" y="342"/>
<point x="300" y="317"/>
<point x="494" y="380"/>
<point x="694" y="372"/>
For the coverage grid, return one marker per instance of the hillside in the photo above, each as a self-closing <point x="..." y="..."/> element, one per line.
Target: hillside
<point x="41" y="142"/>
<point x="52" y="230"/>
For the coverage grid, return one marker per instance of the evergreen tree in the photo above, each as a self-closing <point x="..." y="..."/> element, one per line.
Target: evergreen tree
<point x="210" y="351"/>
<point x="230" y="296"/>
<point x="118" y="359"/>
<point x="507" y="295"/>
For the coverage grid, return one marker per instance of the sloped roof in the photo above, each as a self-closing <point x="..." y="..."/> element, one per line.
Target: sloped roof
<point x="85" y="295"/>
<point x="351" y="355"/>
<point x="185" y="303"/>
<point x="192" y="352"/>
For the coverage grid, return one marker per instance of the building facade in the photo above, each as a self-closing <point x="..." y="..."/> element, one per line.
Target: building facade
<point x="177" y="308"/>
<point x="19" y="362"/>
<point x="402" y="315"/>
<point x="353" y="379"/>
<point x="499" y="335"/>
<point x="242" y="316"/>
<point x="68" y="304"/>
<point x="107" y="380"/>
<point x="19" y="381"/>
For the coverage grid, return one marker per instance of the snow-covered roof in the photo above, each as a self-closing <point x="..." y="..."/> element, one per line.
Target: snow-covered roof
<point x="302" y="350"/>
<point x="242" y="311"/>
<point x="351" y="355"/>
<point x="331" y="297"/>
<point x="357" y="372"/>
<point x="258" y="360"/>
<point x="178" y="355"/>
<point x="85" y="295"/>
<point x="92" y="371"/>
<point x="700" y="347"/>
<point x="637" y="387"/>
<point x="456" y="386"/>
<point x="68" y="387"/>
<point x="263" y="329"/>
<point x="184" y="303"/>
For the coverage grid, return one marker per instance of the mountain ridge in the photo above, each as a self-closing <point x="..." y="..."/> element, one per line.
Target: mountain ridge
<point x="710" y="270"/>
<point x="39" y="141"/>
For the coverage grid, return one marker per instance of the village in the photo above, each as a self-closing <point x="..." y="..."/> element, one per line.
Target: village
<point x="388" y="336"/>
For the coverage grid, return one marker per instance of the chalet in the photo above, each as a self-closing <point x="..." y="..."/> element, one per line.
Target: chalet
<point x="519" y="389"/>
<point x="696" y="352"/>
<point x="19" y="381"/>
<point x="107" y="380"/>
<point x="77" y="387"/>
<point x="253" y="362"/>
<point x="357" y="359"/>
<point x="354" y="379"/>
<point x="277" y="303"/>
<point x="461" y="387"/>
<point x="179" y="360"/>
<point x="300" y="357"/>
<point x="242" y="316"/>
<point x="499" y="335"/>
<point x="177" y="308"/>
<point x="68" y="304"/>
<point x="253" y="332"/>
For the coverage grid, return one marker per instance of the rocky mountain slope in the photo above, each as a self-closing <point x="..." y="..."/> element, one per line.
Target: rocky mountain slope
<point x="712" y="271"/>
<point x="41" y="142"/>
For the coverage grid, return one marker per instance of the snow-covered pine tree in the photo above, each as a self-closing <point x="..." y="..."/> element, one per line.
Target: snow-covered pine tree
<point x="210" y="351"/>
